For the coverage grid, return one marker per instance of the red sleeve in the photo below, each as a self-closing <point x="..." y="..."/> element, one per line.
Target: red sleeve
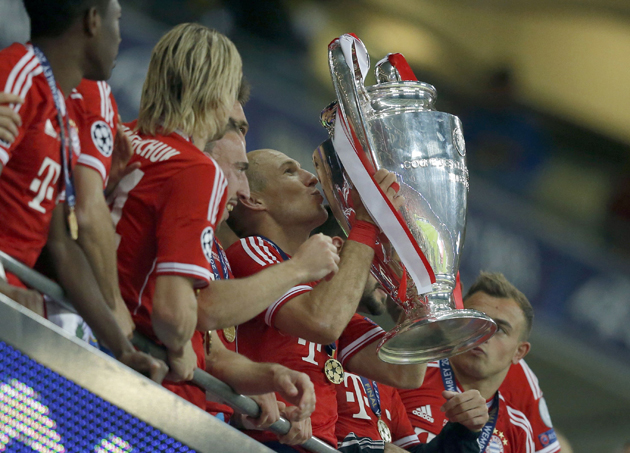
<point x="18" y="67"/>
<point x="359" y="333"/>
<point x="251" y="255"/>
<point x="98" y="131"/>
<point x="402" y="432"/>
<point x="187" y="221"/>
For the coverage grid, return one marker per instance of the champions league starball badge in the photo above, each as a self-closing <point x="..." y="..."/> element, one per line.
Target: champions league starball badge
<point x="334" y="371"/>
<point x="384" y="431"/>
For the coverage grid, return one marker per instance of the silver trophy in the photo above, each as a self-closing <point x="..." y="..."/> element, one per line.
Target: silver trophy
<point x="393" y="125"/>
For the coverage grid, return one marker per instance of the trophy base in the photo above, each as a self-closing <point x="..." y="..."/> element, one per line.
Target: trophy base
<point x="436" y="337"/>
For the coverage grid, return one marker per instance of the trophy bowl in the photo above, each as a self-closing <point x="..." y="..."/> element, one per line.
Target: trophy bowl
<point x="394" y="125"/>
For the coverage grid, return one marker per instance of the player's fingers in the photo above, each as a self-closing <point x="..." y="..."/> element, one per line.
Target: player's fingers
<point x="158" y="371"/>
<point x="9" y="98"/>
<point x="287" y="386"/>
<point x="10" y="115"/>
<point x="380" y="175"/>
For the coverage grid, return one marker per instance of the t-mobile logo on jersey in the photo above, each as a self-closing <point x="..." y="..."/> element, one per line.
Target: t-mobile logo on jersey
<point x="43" y="186"/>
<point x="356" y="394"/>
<point x="424" y="412"/>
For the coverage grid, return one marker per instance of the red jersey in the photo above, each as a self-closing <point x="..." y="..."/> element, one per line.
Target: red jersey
<point x="165" y="214"/>
<point x="32" y="177"/>
<point x="512" y="433"/>
<point x="99" y="128"/>
<point x="357" y="416"/>
<point x="261" y="341"/>
<point x="520" y="388"/>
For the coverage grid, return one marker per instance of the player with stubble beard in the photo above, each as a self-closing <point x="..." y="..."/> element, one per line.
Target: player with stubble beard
<point x="482" y="369"/>
<point x="167" y="211"/>
<point x="313" y="328"/>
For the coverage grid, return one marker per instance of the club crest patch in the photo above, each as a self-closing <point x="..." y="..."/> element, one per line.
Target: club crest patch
<point x="102" y="138"/>
<point x="207" y="238"/>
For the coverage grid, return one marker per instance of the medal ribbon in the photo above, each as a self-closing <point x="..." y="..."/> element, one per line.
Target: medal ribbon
<point x="224" y="275"/>
<point x="448" y="378"/>
<point x="64" y="129"/>
<point x="374" y="397"/>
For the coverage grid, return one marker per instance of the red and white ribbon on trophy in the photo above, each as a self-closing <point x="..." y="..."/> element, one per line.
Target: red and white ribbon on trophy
<point x="361" y="173"/>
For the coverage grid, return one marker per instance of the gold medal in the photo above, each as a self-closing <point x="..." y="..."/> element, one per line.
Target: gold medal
<point x="73" y="225"/>
<point x="230" y="334"/>
<point x="384" y="431"/>
<point x="334" y="371"/>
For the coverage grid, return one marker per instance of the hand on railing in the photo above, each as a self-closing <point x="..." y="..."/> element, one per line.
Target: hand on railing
<point x="181" y="363"/>
<point x="300" y="431"/>
<point x="143" y="363"/>
<point x="297" y="389"/>
<point x="269" y="412"/>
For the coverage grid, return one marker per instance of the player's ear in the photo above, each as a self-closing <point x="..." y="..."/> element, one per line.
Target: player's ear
<point x="92" y="22"/>
<point x="521" y="351"/>
<point x="253" y="202"/>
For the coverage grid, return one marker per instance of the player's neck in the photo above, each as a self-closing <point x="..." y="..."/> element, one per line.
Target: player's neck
<point x="65" y="62"/>
<point x="486" y="386"/>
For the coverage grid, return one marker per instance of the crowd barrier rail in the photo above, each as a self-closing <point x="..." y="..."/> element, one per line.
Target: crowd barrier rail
<point x="216" y="387"/>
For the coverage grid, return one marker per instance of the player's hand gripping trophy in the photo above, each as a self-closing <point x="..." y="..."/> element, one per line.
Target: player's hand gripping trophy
<point x="393" y="125"/>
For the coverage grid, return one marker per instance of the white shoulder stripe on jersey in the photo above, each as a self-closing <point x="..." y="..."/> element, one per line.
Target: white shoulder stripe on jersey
<point x="182" y="268"/>
<point x="94" y="163"/>
<point x="27" y="86"/>
<point x="364" y="339"/>
<point x="101" y="92"/>
<point x="295" y="291"/>
<point x="433" y="365"/>
<point x="250" y="252"/>
<point x="261" y="245"/>
<point x="532" y="379"/>
<point x="517" y="418"/>
<point x="4" y="156"/>
<point x="267" y="257"/>
<point x="407" y="441"/>
<point x="218" y="189"/>
<point x="222" y="190"/>
<point x="551" y="448"/>
<point x="28" y="56"/>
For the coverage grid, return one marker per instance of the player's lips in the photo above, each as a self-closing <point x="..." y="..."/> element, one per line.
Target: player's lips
<point x="317" y="193"/>
<point x="477" y="351"/>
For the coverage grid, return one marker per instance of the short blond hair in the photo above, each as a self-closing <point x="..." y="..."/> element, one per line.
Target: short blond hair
<point x="192" y="83"/>
<point x="496" y="285"/>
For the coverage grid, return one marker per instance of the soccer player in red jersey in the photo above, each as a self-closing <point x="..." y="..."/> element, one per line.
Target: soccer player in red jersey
<point x="312" y="328"/>
<point x="229" y="152"/>
<point x="70" y="40"/>
<point x="482" y="369"/>
<point x="166" y="212"/>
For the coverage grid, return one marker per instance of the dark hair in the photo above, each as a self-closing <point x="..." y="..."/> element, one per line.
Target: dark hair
<point x="50" y="19"/>
<point x="496" y="285"/>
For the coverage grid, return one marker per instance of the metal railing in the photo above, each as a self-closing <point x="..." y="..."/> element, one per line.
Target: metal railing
<point x="218" y="388"/>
